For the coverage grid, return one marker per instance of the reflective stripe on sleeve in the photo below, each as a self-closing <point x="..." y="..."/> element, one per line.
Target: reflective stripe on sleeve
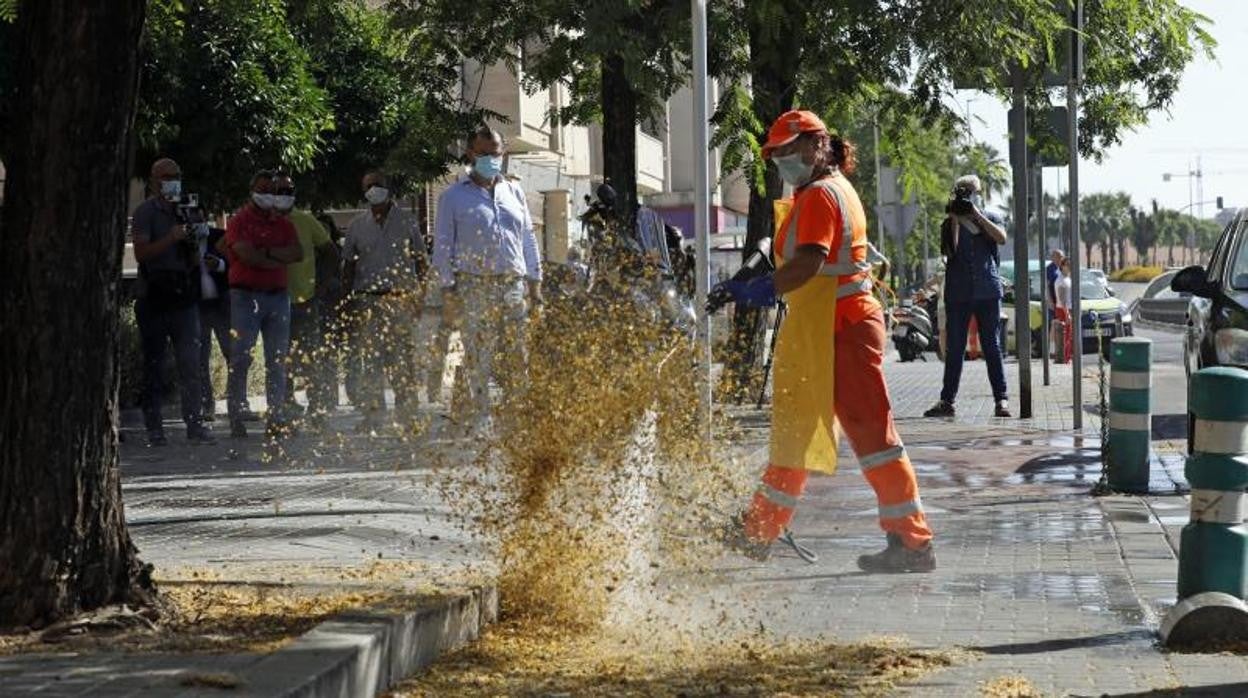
<point x="875" y="460"/>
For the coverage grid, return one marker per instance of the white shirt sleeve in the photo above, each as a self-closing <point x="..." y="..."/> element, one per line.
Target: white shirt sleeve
<point x="444" y="239"/>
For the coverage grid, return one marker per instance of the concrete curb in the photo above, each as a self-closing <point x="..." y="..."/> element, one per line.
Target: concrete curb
<point x="362" y="653"/>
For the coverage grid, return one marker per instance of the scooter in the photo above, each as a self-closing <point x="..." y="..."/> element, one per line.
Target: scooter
<point x="914" y="329"/>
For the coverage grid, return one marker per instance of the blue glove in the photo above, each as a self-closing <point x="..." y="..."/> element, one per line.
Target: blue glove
<point x="758" y="292"/>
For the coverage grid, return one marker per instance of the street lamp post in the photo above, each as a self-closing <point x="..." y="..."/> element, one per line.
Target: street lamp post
<point x="1192" y="177"/>
<point x="702" y="209"/>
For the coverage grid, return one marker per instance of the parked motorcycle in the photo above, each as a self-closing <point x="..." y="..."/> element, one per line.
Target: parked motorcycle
<point x="914" y="327"/>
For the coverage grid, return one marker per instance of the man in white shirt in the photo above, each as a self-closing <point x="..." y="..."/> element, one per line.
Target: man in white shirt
<point x="485" y="252"/>
<point x="384" y="261"/>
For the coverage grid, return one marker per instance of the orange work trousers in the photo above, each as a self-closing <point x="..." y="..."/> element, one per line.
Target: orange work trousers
<point x="865" y="413"/>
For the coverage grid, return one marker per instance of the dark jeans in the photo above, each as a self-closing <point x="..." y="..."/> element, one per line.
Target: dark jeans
<point x="158" y="327"/>
<point x="214" y="321"/>
<point x="253" y="314"/>
<point x="987" y="314"/>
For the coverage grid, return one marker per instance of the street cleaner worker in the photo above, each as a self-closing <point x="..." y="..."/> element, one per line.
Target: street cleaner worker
<point x="829" y="355"/>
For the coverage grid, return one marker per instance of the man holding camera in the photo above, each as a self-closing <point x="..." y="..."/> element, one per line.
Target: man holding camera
<point x="166" y="246"/>
<point x="259" y="245"/>
<point x="969" y="241"/>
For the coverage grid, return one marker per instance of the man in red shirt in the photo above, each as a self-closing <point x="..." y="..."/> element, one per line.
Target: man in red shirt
<point x="259" y="244"/>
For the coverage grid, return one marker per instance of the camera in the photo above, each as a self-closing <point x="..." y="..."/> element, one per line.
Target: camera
<point x="188" y="212"/>
<point x="962" y="203"/>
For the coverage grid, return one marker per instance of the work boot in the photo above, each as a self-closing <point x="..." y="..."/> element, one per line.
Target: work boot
<point x="734" y="538"/>
<point x="897" y="558"/>
<point x="940" y="409"/>
<point x="1002" y="409"/>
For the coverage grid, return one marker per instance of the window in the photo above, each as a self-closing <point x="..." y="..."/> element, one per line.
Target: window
<point x="1238" y="277"/>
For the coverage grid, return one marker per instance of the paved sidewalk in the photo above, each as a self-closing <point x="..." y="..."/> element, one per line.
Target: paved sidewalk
<point x="1037" y="576"/>
<point x="331" y="513"/>
<point x="1040" y="578"/>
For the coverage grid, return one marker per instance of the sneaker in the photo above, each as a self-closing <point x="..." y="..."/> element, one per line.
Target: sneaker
<point x="1003" y="409"/>
<point x="733" y="537"/>
<point x="897" y="558"/>
<point x="199" y="436"/>
<point x="249" y="415"/>
<point x="156" y="439"/>
<point x="940" y="409"/>
<point x="238" y="430"/>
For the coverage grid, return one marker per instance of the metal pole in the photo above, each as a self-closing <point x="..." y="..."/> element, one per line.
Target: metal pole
<point x="926" y="251"/>
<point x="1042" y="223"/>
<point x="879" y="203"/>
<point x="1022" y="280"/>
<point x="1076" y="312"/>
<point x="702" y="207"/>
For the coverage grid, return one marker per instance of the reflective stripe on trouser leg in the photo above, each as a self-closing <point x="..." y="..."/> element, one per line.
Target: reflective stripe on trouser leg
<point x="866" y="415"/>
<point x="777" y="495"/>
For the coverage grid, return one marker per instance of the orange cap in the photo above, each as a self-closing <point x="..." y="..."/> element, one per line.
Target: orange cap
<point x="789" y="126"/>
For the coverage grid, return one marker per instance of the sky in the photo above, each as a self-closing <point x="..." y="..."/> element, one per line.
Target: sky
<point x="1206" y="120"/>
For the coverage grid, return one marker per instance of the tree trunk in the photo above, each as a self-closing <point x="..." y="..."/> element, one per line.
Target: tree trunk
<point x="64" y="547"/>
<point x="1088" y="245"/>
<point x="619" y="137"/>
<point x="773" y="81"/>
<point x="1105" y="259"/>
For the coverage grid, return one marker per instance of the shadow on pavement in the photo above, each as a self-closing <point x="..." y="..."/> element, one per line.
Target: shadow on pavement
<point x="1169" y="426"/>
<point x="1225" y="689"/>
<point x="1067" y="643"/>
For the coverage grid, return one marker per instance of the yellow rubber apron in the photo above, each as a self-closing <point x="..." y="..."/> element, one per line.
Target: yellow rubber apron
<point x="803" y="409"/>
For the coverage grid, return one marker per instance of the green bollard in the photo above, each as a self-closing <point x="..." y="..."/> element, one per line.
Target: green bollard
<point x="1130" y="424"/>
<point x="1213" y="552"/>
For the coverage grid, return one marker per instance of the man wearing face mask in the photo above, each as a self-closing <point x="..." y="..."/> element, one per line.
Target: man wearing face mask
<point x="485" y="252"/>
<point x="969" y="241"/>
<point x="309" y="359"/>
<point x="384" y="257"/>
<point x="829" y="355"/>
<point x="166" y="308"/>
<point x="259" y="244"/>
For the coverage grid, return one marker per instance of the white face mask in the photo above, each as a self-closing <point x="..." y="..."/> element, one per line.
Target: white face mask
<point x="283" y="202"/>
<point x="264" y="201"/>
<point x="377" y="195"/>
<point x="793" y="169"/>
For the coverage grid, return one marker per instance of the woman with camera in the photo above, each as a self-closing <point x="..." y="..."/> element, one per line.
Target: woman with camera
<point x="969" y="242"/>
<point x="829" y="356"/>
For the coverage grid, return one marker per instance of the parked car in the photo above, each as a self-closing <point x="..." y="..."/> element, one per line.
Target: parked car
<point x="1162" y="304"/>
<point x="1217" y="313"/>
<point x="1104" y="316"/>
<point x="1100" y="277"/>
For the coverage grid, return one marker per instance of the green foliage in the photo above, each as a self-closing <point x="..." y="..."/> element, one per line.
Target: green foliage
<point x="8" y="10"/>
<point x="1104" y="216"/>
<point x="563" y="44"/>
<point x="382" y="116"/>
<point x="227" y="89"/>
